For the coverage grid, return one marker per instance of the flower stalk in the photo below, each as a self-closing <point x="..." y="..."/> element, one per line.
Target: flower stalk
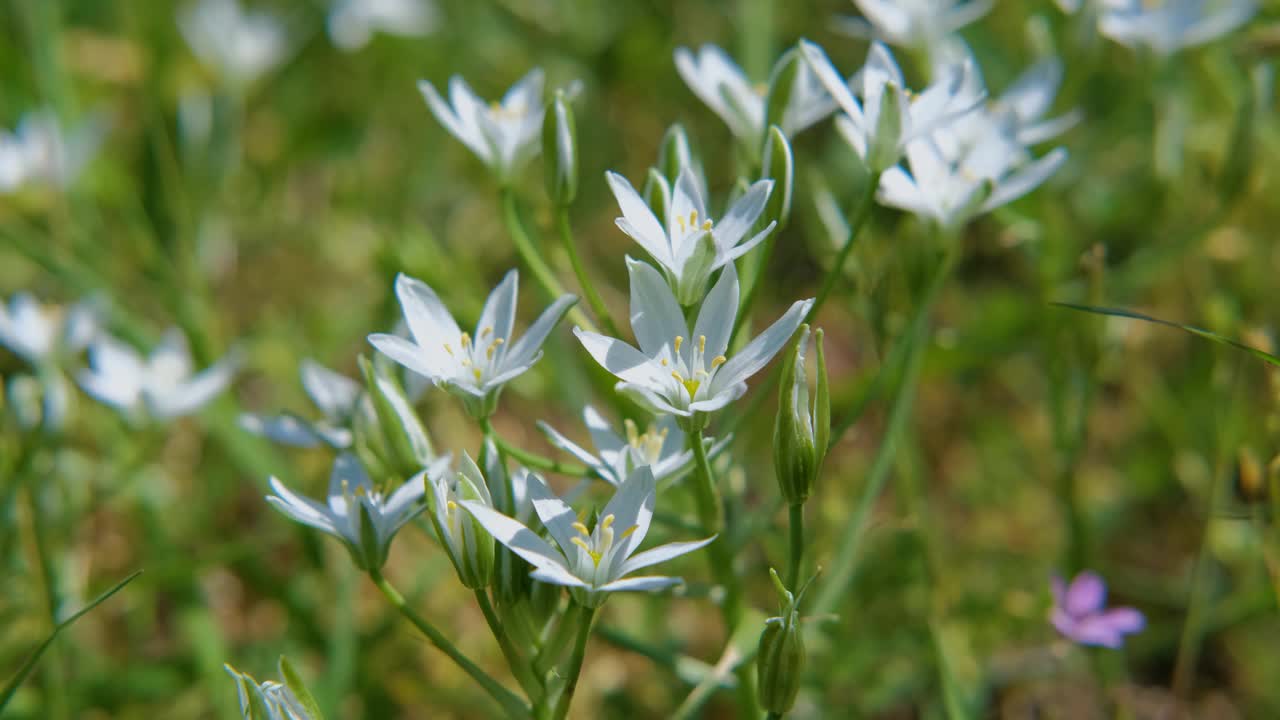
<point x="531" y="257"/>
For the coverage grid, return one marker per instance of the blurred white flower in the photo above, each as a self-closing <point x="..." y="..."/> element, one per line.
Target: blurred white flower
<point x="473" y="368"/>
<point x="337" y="397"/>
<point x="163" y="386"/>
<point x="591" y="562"/>
<point x="353" y="22"/>
<point x="691" y="246"/>
<point x="913" y="23"/>
<point x="715" y="78"/>
<point x="881" y="116"/>
<point x="40" y="150"/>
<point x="661" y="447"/>
<point x="269" y="696"/>
<point x="952" y="190"/>
<point x="668" y="375"/>
<point x="504" y="135"/>
<point x="1170" y="25"/>
<point x="363" y="516"/>
<point x="39" y="334"/>
<point x="239" y="44"/>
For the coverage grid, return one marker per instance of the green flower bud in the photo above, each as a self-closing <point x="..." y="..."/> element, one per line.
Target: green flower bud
<point x="697" y="271"/>
<point x="780" y="659"/>
<point x="778" y="164"/>
<point x="560" y="151"/>
<point x="801" y="433"/>
<point x="884" y="150"/>
<point x="396" y="438"/>
<point x="657" y="193"/>
<point x="781" y="81"/>
<point x="470" y="547"/>
<point x="674" y="154"/>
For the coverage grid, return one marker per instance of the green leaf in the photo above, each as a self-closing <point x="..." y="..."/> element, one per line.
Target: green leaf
<point x="299" y="689"/>
<point x="12" y="687"/>
<point x="1200" y="332"/>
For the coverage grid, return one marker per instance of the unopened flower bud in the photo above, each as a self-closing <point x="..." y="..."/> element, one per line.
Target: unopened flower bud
<point x="801" y="432"/>
<point x="885" y="147"/>
<point x="560" y="151"/>
<point x="777" y="163"/>
<point x="657" y="193"/>
<point x="470" y="547"/>
<point x="781" y="83"/>
<point x="697" y="271"/>
<point x="399" y="442"/>
<point x="674" y="154"/>
<point x="780" y="659"/>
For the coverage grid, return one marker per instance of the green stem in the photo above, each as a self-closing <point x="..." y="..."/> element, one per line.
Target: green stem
<point x="846" y="557"/>
<point x="575" y="665"/>
<point x="529" y="254"/>
<point x="795" y="518"/>
<point x="513" y="705"/>
<point x="551" y="650"/>
<point x="56" y="681"/>
<point x="520" y="667"/>
<point x="540" y="462"/>
<point x="836" y="270"/>
<point x="710" y="510"/>
<point x="588" y="288"/>
<point x="774" y="715"/>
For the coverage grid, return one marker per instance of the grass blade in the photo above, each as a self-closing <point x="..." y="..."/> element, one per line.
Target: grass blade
<point x="1200" y="332"/>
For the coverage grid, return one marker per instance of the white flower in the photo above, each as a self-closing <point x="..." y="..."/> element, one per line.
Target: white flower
<point x="691" y="246"/>
<point x="39" y="334"/>
<point x="337" y="397"/>
<point x="504" y="135"/>
<point x="475" y="368"/>
<point x="950" y="191"/>
<point x="715" y="78"/>
<point x="468" y="544"/>
<point x="353" y="22"/>
<point x="591" y="562"/>
<point x="358" y="513"/>
<point x="163" y="386"/>
<point x="1018" y="112"/>
<point x="685" y="373"/>
<point x="913" y="23"/>
<point x="276" y="699"/>
<point x="1171" y="25"/>
<point x="241" y="45"/>
<point x="889" y="116"/>
<point x="661" y="447"/>
<point x="40" y="150"/>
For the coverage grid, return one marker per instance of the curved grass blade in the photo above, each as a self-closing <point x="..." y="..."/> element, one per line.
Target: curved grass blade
<point x="1208" y="335"/>
<point x="12" y="687"/>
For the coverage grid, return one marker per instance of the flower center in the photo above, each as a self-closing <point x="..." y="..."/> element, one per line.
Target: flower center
<point x="647" y="445"/>
<point x="696" y="372"/>
<point x="476" y="360"/>
<point x="598" y="545"/>
<point x="514" y="112"/>
<point x="688" y="225"/>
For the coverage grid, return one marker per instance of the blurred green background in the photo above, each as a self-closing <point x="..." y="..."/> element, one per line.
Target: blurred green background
<point x="280" y="233"/>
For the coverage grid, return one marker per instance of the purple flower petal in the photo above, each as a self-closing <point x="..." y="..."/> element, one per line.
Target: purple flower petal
<point x="1087" y="595"/>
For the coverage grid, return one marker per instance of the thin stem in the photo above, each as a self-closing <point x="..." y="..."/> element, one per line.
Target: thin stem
<point x="584" y="281"/>
<point x="56" y="681"/>
<point x="836" y="270"/>
<point x="513" y="705"/>
<point x="539" y="462"/>
<point x="575" y="664"/>
<point x="710" y="510"/>
<point x="541" y="272"/>
<point x="520" y="667"/>
<point x="551" y="651"/>
<point x="795" y="517"/>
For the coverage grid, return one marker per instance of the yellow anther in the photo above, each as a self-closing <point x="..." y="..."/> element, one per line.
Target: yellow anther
<point x="477" y="373"/>
<point x="706" y="224"/>
<point x="451" y="505"/>
<point x="693" y="218"/>
<point x="448" y="349"/>
<point x="633" y="436"/>
<point x="717" y="361"/>
<point x="663" y="432"/>
<point x="680" y="222"/>
<point x="628" y="531"/>
<point x="466" y="341"/>
<point x="493" y="347"/>
<point x="679" y="342"/>
<point x="663" y="361"/>
<point x="581" y="528"/>
<point x="761" y="89"/>
<point x="702" y="343"/>
<point x="607" y="521"/>
<point x="485" y="331"/>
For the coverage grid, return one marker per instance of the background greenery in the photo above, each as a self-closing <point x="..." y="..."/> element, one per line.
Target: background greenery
<point x="1030" y="420"/>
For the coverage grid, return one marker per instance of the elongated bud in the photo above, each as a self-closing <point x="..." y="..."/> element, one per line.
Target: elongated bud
<point x="674" y="154"/>
<point x="697" y="271"/>
<point x="781" y="657"/>
<point x="657" y="193"/>
<point x="301" y="693"/>
<point x="782" y="82"/>
<point x="883" y="152"/>
<point x="470" y="547"/>
<point x="400" y="442"/>
<point x="801" y="433"/>
<point x="777" y="163"/>
<point x="371" y="554"/>
<point x="560" y="151"/>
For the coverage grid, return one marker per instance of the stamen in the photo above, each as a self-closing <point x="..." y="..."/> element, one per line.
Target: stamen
<point x="448" y="349"/>
<point x="633" y="437"/>
<point x="627" y="533"/>
<point x="581" y="528"/>
<point x="679" y="342"/>
<point x="693" y="218"/>
<point x="607" y="521"/>
<point x="493" y="347"/>
<point x="466" y="341"/>
<point x="680" y="222"/>
<point x="717" y="361"/>
<point x="451" y="505"/>
<point x="706" y="224"/>
<point x="485" y="331"/>
<point x="702" y="343"/>
<point x="663" y="361"/>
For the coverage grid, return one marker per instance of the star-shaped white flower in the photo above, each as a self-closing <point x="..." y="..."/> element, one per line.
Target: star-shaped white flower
<point x="39" y="334"/>
<point x="163" y="386"/>
<point x="473" y="367"/>
<point x="683" y="373"/>
<point x="504" y="135"/>
<point x="591" y="562"/>
<point x="363" y="516"/>
<point x="661" y="447"/>
<point x="951" y="191"/>
<point x="42" y="150"/>
<point x="1169" y="26"/>
<point x="336" y="396"/>
<point x="352" y="23"/>
<point x="241" y="45"/>
<point x="913" y="23"/>
<point x="691" y="246"/>
<point x="885" y="116"/>
<point x="715" y="78"/>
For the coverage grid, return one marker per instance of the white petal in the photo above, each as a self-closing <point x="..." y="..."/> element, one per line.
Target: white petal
<point x="647" y="583"/>
<point x="557" y="517"/>
<point x="1026" y="179"/>
<point x="407" y="354"/>
<point x="525" y="350"/>
<point x="719" y="312"/>
<point x="621" y="359"/>
<point x="429" y="320"/>
<point x="499" y="312"/>
<point x="284" y="429"/>
<point x="631" y="507"/>
<point x="333" y="393"/>
<point x="761" y="350"/>
<point x="557" y="575"/>
<point x="832" y="81"/>
<point x="520" y="539"/>
<point x="663" y="553"/>
<point x="656" y="318"/>
<point x="577" y="451"/>
<point x="742" y="216"/>
<point x="641" y="224"/>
